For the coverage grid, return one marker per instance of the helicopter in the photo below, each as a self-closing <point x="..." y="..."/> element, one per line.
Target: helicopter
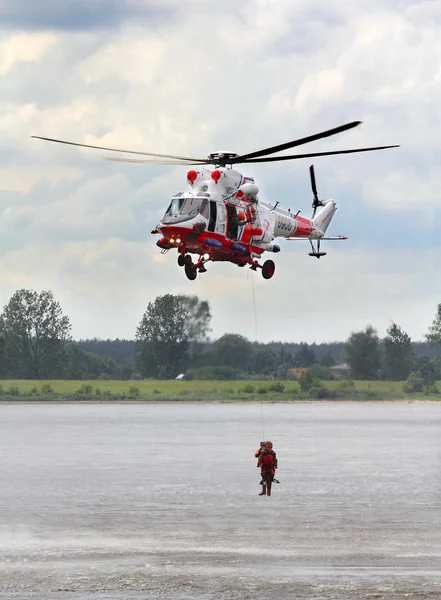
<point x="221" y="217"/>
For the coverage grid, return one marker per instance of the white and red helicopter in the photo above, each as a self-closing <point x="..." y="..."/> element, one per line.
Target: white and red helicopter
<point x="221" y="217"/>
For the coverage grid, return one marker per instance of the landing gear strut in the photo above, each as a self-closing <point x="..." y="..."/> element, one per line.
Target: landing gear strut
<point x="268" y="268"/>
<point x="191" y="269"/>
<point x="316" y="251"/>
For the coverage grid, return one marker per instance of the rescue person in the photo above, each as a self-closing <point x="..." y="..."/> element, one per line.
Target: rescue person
<point x="267" y="462"/>
<point x="256" y="455"/>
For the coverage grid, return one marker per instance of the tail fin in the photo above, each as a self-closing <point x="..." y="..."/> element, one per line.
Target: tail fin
<point x="324" y="216"/>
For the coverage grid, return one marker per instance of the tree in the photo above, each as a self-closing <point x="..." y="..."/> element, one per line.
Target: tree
<point x="305" y="356"/>
<point x="434" y="335"/>
<point x="35" y="335"/>
<point x="264" y="360"/>
<point x="233" y="350"/>
<point x="363" y="353"/>
<point x="426" y="368"/>
<point x="168" y="327"/>
<point x="398" y="354"/>
<point x="327" y="359"/>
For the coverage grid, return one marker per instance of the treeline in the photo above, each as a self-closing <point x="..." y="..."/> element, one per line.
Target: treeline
<point x="123" y="351"/>
<point x="172" y="338"/>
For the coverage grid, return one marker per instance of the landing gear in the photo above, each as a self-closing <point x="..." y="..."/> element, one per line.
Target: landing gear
<point x="268" y="269"/>
<point x="316" y="251"/>
<point x="190" y="270"/>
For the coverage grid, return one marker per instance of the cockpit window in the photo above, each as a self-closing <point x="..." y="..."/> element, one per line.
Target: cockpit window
<point x="183" y="208"/>
<point x="188" y="207"/>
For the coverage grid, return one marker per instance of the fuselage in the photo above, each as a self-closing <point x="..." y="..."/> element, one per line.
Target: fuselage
<point x="221" y="216"/>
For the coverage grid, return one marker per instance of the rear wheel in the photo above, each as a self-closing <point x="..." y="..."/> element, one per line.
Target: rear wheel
<point x="190" y="271"/>
<point x="268" y="269"/>
<point x="181" y="260"/>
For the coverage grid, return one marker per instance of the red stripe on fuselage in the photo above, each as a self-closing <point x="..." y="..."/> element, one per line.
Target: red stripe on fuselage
<point x="304" y="227"/>
<point x="193" y="242"/>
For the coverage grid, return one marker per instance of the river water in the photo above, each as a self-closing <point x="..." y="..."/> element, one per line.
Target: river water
<point x="143" y="501"/>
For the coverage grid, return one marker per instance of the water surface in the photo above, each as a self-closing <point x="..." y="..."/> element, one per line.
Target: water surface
<point x="153" y="500"/>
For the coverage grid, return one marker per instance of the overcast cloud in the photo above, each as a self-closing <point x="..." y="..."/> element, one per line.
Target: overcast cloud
<point x="194" y="77"/>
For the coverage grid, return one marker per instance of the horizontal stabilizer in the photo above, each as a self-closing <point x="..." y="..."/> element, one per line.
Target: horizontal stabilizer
<point x="340" y="237"/>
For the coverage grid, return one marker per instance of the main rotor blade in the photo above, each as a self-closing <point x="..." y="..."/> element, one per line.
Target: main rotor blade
<point x="313" y="185"/>
<point x="299" y="142"/>
<point x="312" y="154"/>
<point x="118" y="150"/>
<point x="153" y="162"/>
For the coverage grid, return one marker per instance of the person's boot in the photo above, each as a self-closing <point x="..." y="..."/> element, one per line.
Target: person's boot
<point x="263" y="492"/>
<point x="268" y="492"/>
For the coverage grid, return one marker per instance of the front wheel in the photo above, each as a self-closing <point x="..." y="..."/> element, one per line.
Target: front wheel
<point x="268" y="269"/>
<point x="190" y="271"/>
<point x="181" y="260"/>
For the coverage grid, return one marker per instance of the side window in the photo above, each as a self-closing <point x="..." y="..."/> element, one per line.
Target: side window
<point x="213" y="215"/>
<point x="220" y="227"/>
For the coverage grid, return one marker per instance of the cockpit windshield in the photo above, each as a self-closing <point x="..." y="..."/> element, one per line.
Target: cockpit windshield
<point x="183" y="208"/>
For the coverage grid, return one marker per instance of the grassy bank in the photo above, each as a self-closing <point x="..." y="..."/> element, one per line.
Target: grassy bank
<point x="216" y="391"/>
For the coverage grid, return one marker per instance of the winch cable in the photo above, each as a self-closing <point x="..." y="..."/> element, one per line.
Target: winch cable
<point x="255" y="339"/>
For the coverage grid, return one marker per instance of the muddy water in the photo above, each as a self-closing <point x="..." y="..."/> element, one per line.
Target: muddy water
<point x="147" y="501"/>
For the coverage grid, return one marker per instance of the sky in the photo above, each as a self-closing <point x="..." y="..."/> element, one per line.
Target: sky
<point x="195" y="77"/>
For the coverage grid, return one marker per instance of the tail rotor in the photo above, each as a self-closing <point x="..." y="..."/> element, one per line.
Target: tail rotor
<point x="316" y="202"/>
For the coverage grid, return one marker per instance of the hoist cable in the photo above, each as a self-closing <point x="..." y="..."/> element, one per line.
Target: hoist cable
<point x="255" y="339"/>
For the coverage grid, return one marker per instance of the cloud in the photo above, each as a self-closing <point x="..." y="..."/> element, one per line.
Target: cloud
<point x="239" y="77"/>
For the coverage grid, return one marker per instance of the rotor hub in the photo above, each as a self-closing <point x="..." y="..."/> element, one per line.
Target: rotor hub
<point x="222" y="157"/>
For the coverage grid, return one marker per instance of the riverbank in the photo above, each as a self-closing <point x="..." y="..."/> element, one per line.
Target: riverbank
<point x="163" y="391"/>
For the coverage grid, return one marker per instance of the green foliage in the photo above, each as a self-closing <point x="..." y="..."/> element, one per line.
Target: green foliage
<point x="46" y="388"/>
<point x="321" y="372"/>
<point x="234" y="351"/>
<point x="262" y="389"/>
<point x="86" y="365"/>
<point x="327" y="360"/>
<point x="34" y="335"/>
<point x="320" y="392"/>
<point x="165" y="332"/>
<point x="97" y="391"/>
<point x="307" y="381"/>
<point x="414" y="383"/>
<point x="14" y="390"/>
<point x="249" y="389"/>
<point x="363" y="353"/>
<point x="277" y="387"/>
<point x="156" y="391"/>
<point x="426" y="369"/>
<point x="430" y="389"/>
<point x="398" y="354"/>
<point x="120" y="351"/>
<point x="434" y="334"/>
<point x="263" y="360"/>
<point x="305" y="356"/>
<point x="85" y="389"/>
<point x="134" y="390"/>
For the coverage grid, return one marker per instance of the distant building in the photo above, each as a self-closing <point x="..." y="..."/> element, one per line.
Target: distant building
<point x="342" y="371"/>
